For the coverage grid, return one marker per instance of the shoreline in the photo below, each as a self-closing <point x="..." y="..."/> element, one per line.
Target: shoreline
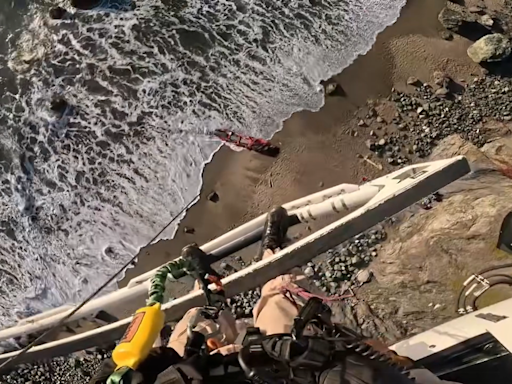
<point x="317" y="148"/>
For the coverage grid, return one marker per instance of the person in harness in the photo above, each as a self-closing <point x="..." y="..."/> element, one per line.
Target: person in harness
<point x="292" y="341"/>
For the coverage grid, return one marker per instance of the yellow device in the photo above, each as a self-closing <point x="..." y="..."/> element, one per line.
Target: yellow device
<point x="138" y="340"/>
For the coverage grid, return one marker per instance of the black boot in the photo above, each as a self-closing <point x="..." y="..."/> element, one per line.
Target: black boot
<point x="274" y="232"/>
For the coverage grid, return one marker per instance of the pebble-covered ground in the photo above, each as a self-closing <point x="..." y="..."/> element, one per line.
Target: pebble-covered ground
<point x="436" y="111"/>
<point x="76" y="369"/>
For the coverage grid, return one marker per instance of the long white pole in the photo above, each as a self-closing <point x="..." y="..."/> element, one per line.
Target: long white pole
<point x="401" y="192"/>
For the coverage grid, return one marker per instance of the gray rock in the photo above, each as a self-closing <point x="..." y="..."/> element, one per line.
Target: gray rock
<point x="189" y="230"/>
<point x="309" y="272"/>
<point x="495" y="47"/>
<point x="446" y="35"/>
<point x="364" y="276"/>
<point x="213" y="197"/>
<point x="487" y="21"/>
<point x="361" y="123"/>
<point x="475" y="9"/>
<point x="379" y="119"/>
<point x="442" y="92"/>
<point x="330" y="88"/>
<point x="450" y="19"/>
<point x="441" y="79"/>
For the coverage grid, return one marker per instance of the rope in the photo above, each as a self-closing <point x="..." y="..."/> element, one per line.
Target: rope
<point x="289" y="291"/>
<point x="22" y="353"/>
<point x="176" y="269"/>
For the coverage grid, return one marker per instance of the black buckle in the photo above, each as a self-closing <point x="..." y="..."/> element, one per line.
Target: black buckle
<point x="314" y="309"/>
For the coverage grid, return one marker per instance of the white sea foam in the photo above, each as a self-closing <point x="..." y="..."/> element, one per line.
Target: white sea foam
<point x="80" y="194"/>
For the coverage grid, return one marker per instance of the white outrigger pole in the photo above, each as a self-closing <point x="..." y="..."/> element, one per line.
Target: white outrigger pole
<point x="370" y="204"/>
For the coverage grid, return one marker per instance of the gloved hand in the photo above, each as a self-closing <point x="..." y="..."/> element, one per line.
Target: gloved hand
<point x="159" y="360"/>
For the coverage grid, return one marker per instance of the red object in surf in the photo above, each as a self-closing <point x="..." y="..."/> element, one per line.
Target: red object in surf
<point x="262" y="146"/>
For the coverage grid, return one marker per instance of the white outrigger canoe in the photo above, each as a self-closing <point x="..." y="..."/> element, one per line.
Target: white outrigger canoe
<point x="354" y="209"/>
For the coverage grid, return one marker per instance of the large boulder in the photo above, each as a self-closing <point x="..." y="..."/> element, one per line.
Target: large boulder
<point x="463" y="23"/>
<point x="450" y="19"/>
<point x="495" y="47"/>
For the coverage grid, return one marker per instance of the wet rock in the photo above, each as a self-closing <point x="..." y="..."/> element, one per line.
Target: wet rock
<point x="57" y="13"/>
<point x="495" y="47"/>
<point x="329" y="88"/>
<point x="213" y="197"/>
<point x="59" y="106"/>
<point x="85" y="4"/>
<point x="189" y="230"/>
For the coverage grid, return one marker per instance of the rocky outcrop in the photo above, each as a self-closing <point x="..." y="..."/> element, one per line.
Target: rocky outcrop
<point x="454" y="145"/>
<point x="463" y="22"/>
<point x="500" y="151"/>
<point x="451" y="19"/>
<point x="495" y="47"/>
<point x="428" y="255"/>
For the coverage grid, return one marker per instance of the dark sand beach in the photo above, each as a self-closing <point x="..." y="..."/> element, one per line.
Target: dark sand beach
<point x="319" y="149"/>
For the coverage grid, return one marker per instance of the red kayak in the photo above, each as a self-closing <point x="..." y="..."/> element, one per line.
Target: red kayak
<point x="248" y="142"/>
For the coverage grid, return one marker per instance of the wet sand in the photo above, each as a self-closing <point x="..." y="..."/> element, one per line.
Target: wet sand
<point x="318" y="149"/>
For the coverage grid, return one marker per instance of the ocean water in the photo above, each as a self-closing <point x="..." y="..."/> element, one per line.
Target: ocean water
<point x="80" y="193"/>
